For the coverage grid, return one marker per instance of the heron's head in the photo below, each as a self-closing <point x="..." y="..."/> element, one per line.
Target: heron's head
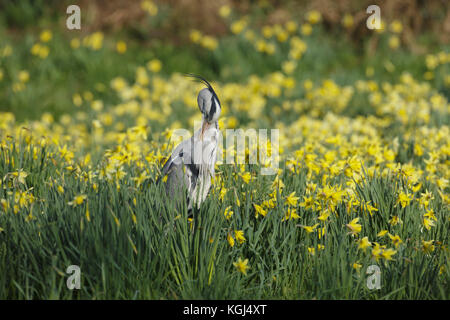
<point x="209" y="104"/>
<point x="207" y="100"/>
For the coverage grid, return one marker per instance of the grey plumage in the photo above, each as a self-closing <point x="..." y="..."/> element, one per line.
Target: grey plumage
<point x="191" y="166"/>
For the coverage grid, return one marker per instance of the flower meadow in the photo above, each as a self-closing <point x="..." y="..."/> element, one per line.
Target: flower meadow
<point x="87" y="122"/>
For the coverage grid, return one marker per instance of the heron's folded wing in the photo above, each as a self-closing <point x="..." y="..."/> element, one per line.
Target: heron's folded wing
<point x="181" y="152"/>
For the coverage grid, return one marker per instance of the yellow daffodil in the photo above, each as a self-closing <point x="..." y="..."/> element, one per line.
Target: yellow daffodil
<point x="354" y="227"/>
<point x="395" y="240"/>
<point x="388" y="253"/>
<point x="308" y="203"/>
<point x="259" y="211"/>
<point x="404" y="199"/>
<point x="291" y="200"/>
<point x="224" y="11"/>
<point x="310" y="229"/>
<point x="246" y="177"/>
<point x="154" y="65"/>
<point x="291" y="213"/>
<point x="428" y="223"/>
<point x="324" y="215"/>
<point x="121" y="47"/>
<point x="395" y="220"/>
<point x="239" y="234"/>
<point x="428" y="246"/>
<point x="242" y="266"/>
<point x="356" y="266"/>
<point x="364" y="243"/>
<point x="78" y="200"/>
<point x="230" y="240"/>
<point x="228" y="213"/>
<point x="46" y="36"/>
<point x="377" y="251"/>
<point x="382" y="233"/>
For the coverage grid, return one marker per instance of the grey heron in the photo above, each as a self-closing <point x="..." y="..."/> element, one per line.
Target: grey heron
<point x="191" y="165"/>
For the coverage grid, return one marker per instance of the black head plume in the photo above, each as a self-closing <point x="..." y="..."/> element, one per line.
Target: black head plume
<point x="204" y="81"/>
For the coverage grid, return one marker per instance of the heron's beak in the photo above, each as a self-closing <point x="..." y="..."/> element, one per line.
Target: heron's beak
<point x="205" y="127"/>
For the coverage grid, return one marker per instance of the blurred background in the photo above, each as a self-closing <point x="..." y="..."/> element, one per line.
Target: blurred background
<point x="44" y="67"/>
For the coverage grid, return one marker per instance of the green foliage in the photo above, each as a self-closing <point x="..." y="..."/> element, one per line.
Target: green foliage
<point x="161" y="255"/>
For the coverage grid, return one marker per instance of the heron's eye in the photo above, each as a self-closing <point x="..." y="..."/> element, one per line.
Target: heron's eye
<point x="213" y="107"/>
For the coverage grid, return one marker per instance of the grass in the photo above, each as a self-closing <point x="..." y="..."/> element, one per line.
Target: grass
<point x="160" y="256"/>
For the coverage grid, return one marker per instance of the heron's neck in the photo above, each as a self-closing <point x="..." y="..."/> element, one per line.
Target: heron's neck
<point x="204" y="132"/>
